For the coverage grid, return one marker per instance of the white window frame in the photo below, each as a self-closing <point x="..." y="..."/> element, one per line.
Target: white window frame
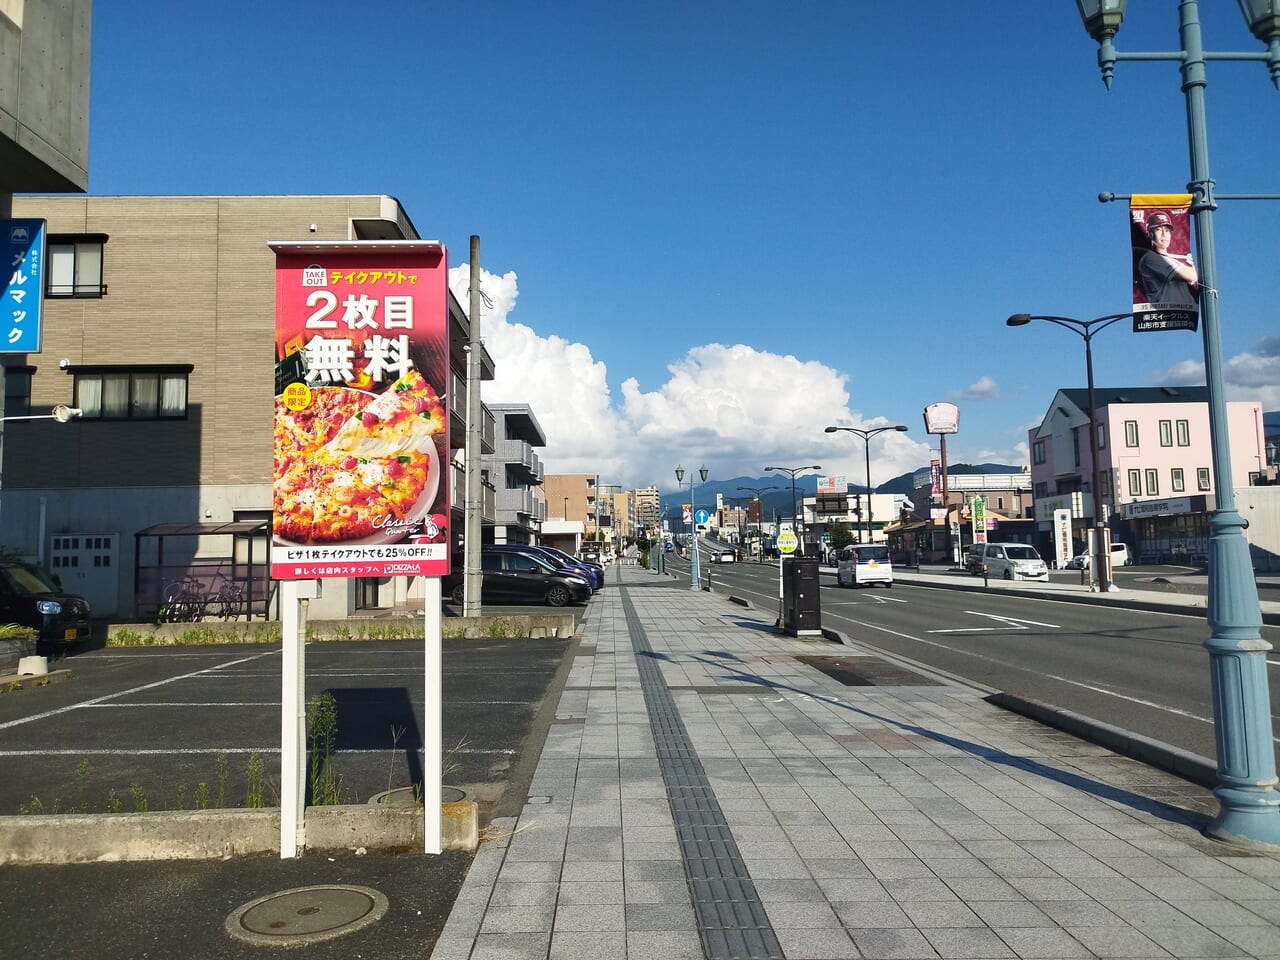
<point x="1177" y="482"/>
<point x="1131" y="433"/>
<point x="1202" y="478"/>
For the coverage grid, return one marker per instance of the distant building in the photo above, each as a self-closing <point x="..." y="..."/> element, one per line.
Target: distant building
<point x="1155" y="467"/>
<point x="515" y="470"/>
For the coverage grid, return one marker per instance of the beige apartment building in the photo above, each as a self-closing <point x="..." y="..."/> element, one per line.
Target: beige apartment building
<point x="161" y="331"/>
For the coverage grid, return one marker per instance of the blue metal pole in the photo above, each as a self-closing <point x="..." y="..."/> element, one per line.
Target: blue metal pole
<point x="1246" y="791"/>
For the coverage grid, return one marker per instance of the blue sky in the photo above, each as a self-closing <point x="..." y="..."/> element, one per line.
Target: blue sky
<point x="710" y="229"/>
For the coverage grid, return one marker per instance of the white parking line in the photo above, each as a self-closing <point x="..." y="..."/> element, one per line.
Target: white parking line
<point x="124" y="693"/>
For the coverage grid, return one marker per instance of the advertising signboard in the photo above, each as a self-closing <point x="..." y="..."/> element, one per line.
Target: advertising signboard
<point x="1166" y="283"/>
<point x="1062" y="536"/>
<point x="361" y="425"/>
<point x="979" y="520"/>
<point x="22" y="298"/>
<point x="942" y="418"/>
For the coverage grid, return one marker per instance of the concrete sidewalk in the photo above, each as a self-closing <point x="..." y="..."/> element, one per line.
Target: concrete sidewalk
<point x="706" y="791"/>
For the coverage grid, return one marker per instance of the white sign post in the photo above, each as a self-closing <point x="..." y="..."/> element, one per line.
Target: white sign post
<point x="432" y="716"/>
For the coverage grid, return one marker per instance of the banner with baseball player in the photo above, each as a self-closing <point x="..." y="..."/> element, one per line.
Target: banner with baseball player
<point x="1166" y="284"/>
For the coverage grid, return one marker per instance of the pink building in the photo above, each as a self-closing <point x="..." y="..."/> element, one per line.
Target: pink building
<point x="1156" y="466"/>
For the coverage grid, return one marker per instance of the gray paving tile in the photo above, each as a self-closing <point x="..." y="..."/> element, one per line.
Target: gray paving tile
<point x="1111" y="942"/>
<point x="660" y="916"/>
<point x="574" y="893"/>
<point x="595" y="917"/>
<point x="507" y="893"/>
<point x="799" y="943"/>
<point x="1010" y="913"/>
<point x="663" y="945"/>
<point x="1042" y="942"/>
<point x="940" y="913"/>
<point x="1254" y="941"/>
<point x="871" y="913"/>
<point x="511" y="946"/>
<point x="534" y="918"/>
<point x="582" y="945"/>
<point x="887" y="944"/>
<point x="583" y="870"/>
<point x="1192" y="940"/>
<point x="529" y="871"/>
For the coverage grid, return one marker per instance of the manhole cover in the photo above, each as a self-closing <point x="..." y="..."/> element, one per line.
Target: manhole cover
<point x="412" y="797"/>
<point x="306" y="915"/>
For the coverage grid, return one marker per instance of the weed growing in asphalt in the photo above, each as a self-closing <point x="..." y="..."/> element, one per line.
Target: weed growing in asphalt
<point x="34" y="808"/>
<point x="220" y="770"/>
<point x="202" y="796"/>
<point x="83" y="769"/>
<point x="322" y="733"/>
<point x="139" y="798"/>
<point x="253" y="793"/>
<point x="113" y="801"/>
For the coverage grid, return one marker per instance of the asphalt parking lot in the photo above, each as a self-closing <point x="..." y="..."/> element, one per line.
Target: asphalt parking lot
<point x="153" y="722"/>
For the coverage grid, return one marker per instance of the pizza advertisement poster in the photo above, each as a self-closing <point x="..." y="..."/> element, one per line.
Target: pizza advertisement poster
<point x="361" y="421"/>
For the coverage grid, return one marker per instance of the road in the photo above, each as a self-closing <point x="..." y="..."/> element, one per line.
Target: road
<point x="1138" y="670"/>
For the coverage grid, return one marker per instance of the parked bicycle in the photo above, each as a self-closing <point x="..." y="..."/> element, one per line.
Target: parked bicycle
<point x="188" y="600"/>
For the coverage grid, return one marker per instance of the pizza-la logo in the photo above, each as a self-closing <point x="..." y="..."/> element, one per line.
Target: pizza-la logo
<point x="315" y="276"/>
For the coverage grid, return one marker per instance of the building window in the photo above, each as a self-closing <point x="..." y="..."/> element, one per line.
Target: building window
<point x="1037" y="452"/>
<point x="1104" y="484"/>
<point x="1153" y="483"/>
<point x="132" y="393"/>
<point x="1184" y="433"/>
<point x="1166" y="433"/>
<point x="1131" y="433"/>
<point x="1176" y="481"/>
<point x="75" y="266"/>
<point x="1102" y="436"/>
<point x="17" y="391"/>
<point x="1202" y="478"/>
<point x="1042" y="491"/>
<point x="1135" y="483"/>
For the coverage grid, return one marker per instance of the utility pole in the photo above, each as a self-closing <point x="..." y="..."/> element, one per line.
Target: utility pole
<point x="473" y="577"/>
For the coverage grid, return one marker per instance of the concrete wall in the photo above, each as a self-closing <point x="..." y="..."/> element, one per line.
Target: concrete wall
<point x="44" y="95"/>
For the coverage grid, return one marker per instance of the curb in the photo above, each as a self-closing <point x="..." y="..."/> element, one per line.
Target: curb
<point x="221" y="834"/>
<point x="1182" y="763"/>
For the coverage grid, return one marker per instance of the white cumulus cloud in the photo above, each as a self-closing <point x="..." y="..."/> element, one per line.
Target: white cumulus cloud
<point x="985" y="388"/>
<point x="1246" y="376"/>
<point x="733" y="407"/>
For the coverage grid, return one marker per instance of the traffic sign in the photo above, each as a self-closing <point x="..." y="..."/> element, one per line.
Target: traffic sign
<point x="702" y="516"/>
<point x="788" y="541"/>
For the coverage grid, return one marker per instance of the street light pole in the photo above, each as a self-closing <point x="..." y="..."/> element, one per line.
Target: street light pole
<point x="1249" y="810"/>
<point x="791" y="472"/>
<point x="695" y="582"/>
<point x="866" y="436"/>
<point x="757" y="491"/>
<point x="1085" y="329"/>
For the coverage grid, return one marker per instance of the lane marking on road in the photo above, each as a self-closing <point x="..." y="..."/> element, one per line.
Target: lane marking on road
<point x="1013" y="623"/>
<point x="1051" y="676"/>
<point x="124" y="693"/>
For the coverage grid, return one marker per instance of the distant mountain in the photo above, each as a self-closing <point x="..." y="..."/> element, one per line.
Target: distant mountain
<point x="778" y="500"/>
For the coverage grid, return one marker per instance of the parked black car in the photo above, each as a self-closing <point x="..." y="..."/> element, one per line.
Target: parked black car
<point x="592" y="573"/>
<point x="32" y="598"/>
<point x="510" y="576"/>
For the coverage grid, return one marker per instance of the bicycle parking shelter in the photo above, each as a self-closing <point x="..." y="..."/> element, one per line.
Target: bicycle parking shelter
<point x="242" y="566"/>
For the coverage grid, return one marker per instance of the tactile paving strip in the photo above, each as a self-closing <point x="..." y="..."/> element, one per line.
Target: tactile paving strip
<point x="731" y="918"/>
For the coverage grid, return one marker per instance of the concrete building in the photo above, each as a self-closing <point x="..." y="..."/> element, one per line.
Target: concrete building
<point x="169" y="353"/>
<point x="573" y="498"/>
<point x="1155" y="466"/>
<point x="44" y="97"/>
<point x="515" y="470"/>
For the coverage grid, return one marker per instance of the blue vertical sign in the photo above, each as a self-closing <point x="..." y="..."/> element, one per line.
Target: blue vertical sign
<point x="22" y="298"/>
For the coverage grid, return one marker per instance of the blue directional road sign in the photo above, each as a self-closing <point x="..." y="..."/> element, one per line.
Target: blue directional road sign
<point x="701" y="516"/>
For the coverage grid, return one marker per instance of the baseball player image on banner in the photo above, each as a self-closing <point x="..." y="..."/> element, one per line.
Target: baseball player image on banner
<point x="1166" y="284"/>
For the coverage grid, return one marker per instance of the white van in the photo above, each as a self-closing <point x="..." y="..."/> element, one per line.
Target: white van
<point x="1014" y="561"/>
<point x="1120" y="557"/>
<point x="864" y="563"/>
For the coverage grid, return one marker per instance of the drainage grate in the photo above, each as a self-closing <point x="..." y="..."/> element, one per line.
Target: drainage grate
<point x="731" y="918"/>
<point x="868" y="672"/>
